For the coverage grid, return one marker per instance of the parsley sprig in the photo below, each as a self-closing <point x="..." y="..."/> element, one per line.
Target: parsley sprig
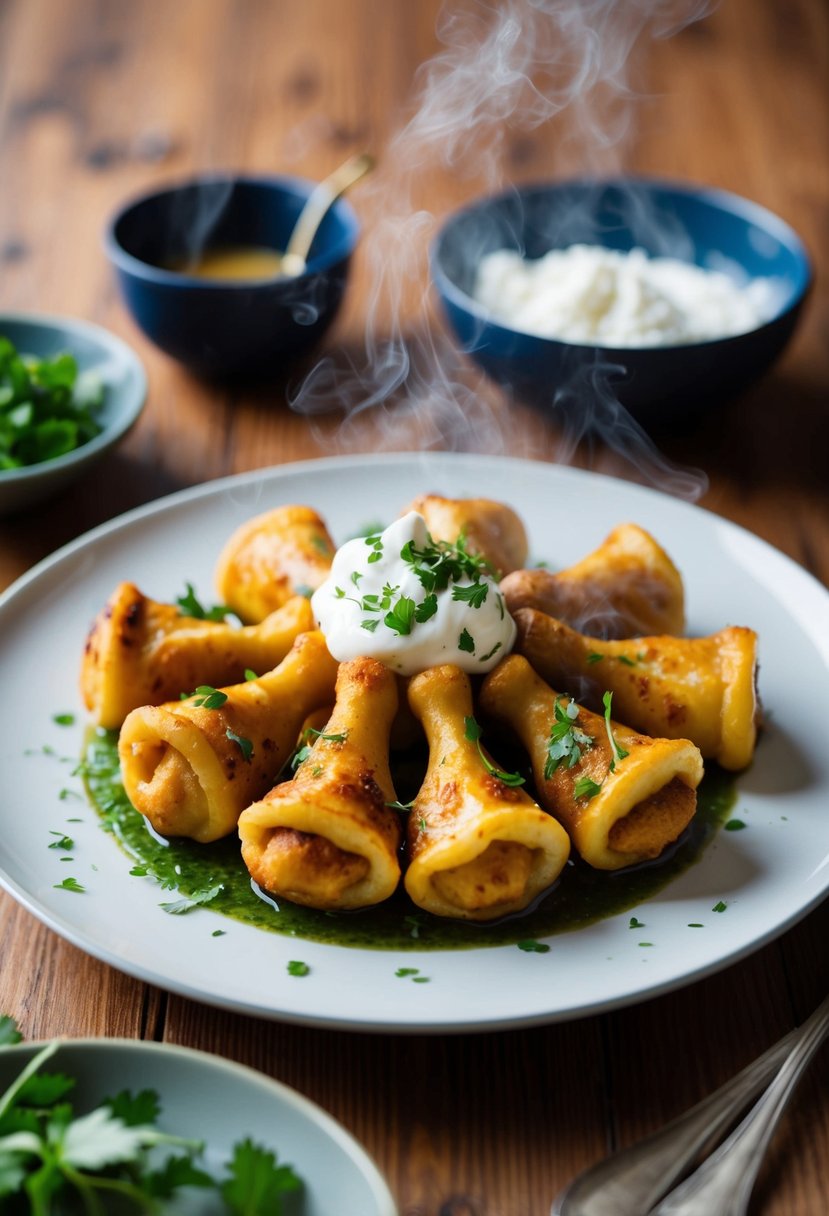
<point x="618" y="753"/>
<point x="51" y="1155"/>
<point x="47" y="408"/>
<point x="473" y="733"/>
<point x="567" y="741"/>
<point x="442" y="562"/>
<point x="190" y="605"/>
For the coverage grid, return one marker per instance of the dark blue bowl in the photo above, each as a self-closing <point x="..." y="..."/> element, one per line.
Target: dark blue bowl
<point x="659" y="385"/>
<point x="221" y="327"/>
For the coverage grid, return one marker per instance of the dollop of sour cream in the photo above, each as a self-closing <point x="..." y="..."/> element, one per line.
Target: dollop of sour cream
<point x="376" y="604"/>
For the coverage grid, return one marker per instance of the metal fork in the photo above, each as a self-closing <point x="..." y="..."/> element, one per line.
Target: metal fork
<point x="724" y="1182"/>
<point x="633" y="1180"/>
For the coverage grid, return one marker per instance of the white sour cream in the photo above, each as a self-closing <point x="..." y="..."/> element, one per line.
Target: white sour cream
<point x="595" y="296"/>
<point x="473" y="638"/>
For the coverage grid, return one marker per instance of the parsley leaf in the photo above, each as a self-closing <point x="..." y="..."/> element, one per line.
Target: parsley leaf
<point x="473" y="734"/>
<point x="567" y="742"/>
<point x="427" y="608"/>
<point x="68" y="884"/>
<point x="180" y="906"/>
<point x="586" y="788"/>
<point x="63" y="719"/>
<point x="401" y="616"/>
<point x="618" y="753"/>
<point x="257" y="1183"/>
<point x="245" y="746"/>
<point x="533" y="947"/>
<point x="9" y="1032"/>
<point x="474" y="595"/>
<point x="207" y="697"/>
<point x="190" y="605"/>
<point x="466" y="642"/>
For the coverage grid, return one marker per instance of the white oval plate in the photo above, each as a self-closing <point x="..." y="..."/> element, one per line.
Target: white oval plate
<point x="768" y="875"/>
<point x="205" y="1098"/>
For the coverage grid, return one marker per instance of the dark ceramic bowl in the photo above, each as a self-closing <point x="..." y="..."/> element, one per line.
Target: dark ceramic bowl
<point x="662" y="386"/>
<point x="220" y="327"/>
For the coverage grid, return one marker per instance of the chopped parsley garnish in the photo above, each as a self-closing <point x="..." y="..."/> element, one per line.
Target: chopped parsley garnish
<point x="55" y="1158"/>
<point x="440" y="563"/>
<point x="329" y="738"/>
<point x="623" y="658"/>
<point x="69" y="884"/>
<point x="400" y="618"/>
<point x="298" y="968"/>
<point x="533" y="947"/>
<point x="567" y="742"/>
<point x="586" y="788"/>
<point x="63" y="719"/>
<point x="370" y="625"/>
<point x="245" y="746"/>
<point x="595" y="658"/>
<point x="636" y="924"/>
<point x="720" y="906"/>
<point x="356" y="576"/>
<point x="302" y="753"/>
<point x="62" y="842"/>
<point x="190" y="605"/>
<point x="618" y="753"/>
<point x="66" y="794"/>
<point x="181" y="906"/>
<point x="695" y="924"/>
<point x="47" y="408"/>
<point x="375" y="543"/>
<point x="250" y="675"/>
<point x="218" y="933"/>
<point x="474" y="595"/>
<point x="486" y="657"/>
<point x="646" y="943"/>
<point x="405" y="972"/>
<point x="734" y="825"/>
<point x="473" y="734"/>
<point x="426" y="609"/>
<point x="400" y="806"/>
<point x="466" y="642"/>
<point x="207" y="697"/>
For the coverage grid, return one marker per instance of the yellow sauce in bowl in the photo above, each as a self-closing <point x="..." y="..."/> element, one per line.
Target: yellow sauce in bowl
<point x="230" y="262"/>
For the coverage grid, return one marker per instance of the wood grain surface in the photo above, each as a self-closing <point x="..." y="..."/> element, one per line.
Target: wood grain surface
<point x="100" y="99"/>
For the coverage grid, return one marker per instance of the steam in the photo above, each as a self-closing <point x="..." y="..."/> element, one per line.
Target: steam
<point x="505" y="69"/>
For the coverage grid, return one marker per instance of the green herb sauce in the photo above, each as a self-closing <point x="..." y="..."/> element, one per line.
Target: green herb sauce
<point x="581" y="896"/>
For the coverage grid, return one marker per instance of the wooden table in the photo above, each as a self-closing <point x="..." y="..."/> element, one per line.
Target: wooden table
<point x="98" y="100"/>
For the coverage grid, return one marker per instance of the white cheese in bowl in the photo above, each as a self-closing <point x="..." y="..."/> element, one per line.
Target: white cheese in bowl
<point x="590" y="295"/>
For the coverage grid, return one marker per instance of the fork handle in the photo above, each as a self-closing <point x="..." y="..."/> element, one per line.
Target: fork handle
<point x="724" y="1182"/>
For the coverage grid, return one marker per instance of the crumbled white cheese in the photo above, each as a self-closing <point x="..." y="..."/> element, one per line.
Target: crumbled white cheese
<point x="594" y="296"/>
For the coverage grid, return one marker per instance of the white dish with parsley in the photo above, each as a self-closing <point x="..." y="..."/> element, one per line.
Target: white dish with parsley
<point x="747" y="886"/>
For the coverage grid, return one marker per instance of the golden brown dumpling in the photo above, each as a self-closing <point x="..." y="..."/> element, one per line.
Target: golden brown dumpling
<point x="284" y="552"/>
<point x="492" y="529"/>
<point x="628" y="587"/>
<point x="618" y="808"/>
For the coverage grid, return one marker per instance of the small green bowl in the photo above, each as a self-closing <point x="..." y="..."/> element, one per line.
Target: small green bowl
<point x="125" y="384"/>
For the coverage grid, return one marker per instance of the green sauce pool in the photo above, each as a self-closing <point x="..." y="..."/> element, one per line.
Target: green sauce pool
<point x="580" y="897"/>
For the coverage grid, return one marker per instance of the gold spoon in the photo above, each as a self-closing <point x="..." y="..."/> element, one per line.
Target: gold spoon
<point x="321" y="198"/>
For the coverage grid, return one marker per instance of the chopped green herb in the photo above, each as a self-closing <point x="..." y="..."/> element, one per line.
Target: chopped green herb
<point x="533" y="947"/>
<point x="370" y="625"/>
<point x="218" y="933"/>
<point x="421" y="824"/>
<point x="139" y="871"/>
<point x="427" y="608"/>
<point x="420" y="979"/>
<point x="69" y="884"/>
<point x="720" y="906"/>
<point x="66" y="794"/>
<point x="245" y="746"/>
<point x="474" y="595"/>
<point x="47" y="408"/>
<point x="595" y="658"/>
<point x="646" y="943"/>
<point x="250" y="675"/>
<point x="466" y="642"/>
<point x="300" y="756"/>
<point x="636" y="924"/>
<point x="9" y="1032"/>
<point x="400" y="806"/>
<point x="190" y="605"/>
<point x="473" y="734"/>
<point x="618" y="753"/>
<point x="356" y="576"/>
<point x="181" y="906"/>
<point x="734" y="825"/>
<point x="207" y="697"/>
<point x="567" y="742"/>
<point x="401" y="616"/>
<point x="486" y="657"/>
<point x="404" y="972"/>
<point x="54" y="1159"/>
<point x="329" y="738"/>
<point x="63" y="719"/>
<point x="586" y="788"/>
<point x="623" y="658"/>
<point x="298" y="968"/>
<point x="695" y="925"/>
<point x="62" y="842"/>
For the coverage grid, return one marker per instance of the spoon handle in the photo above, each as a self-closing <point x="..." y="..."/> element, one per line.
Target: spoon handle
<point x="633" y="1179"/>
<point x="320" y="199"/>
<point x="724" y="1182"/>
